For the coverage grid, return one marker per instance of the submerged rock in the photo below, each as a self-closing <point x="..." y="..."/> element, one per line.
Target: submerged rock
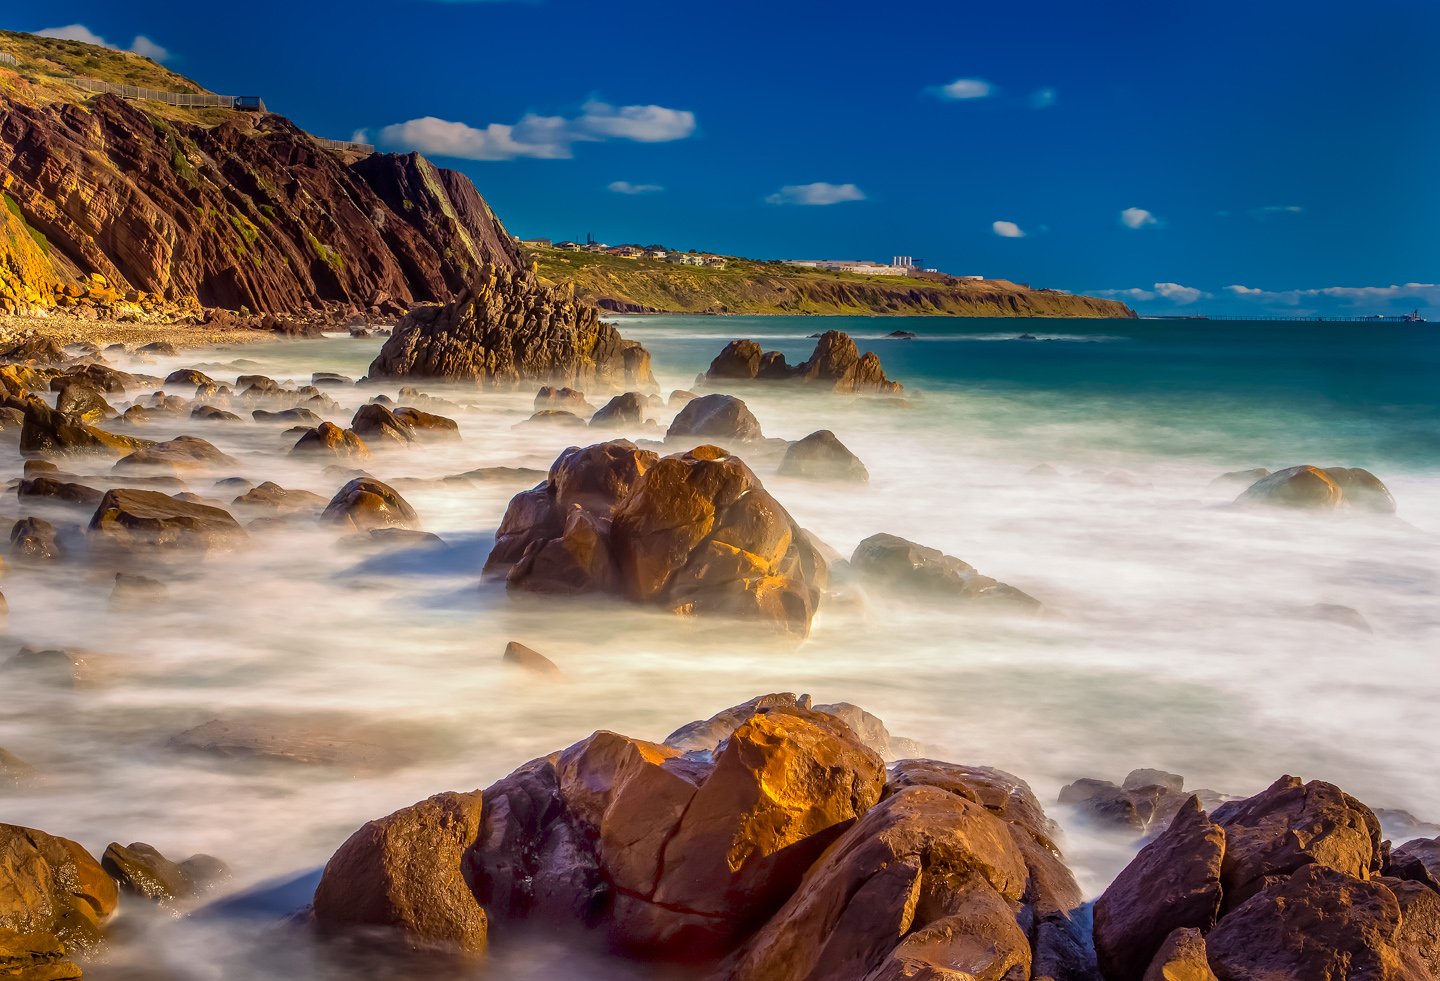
<point x="1311" y="488"/>
<point x="821" y="456"/>
<point x="130" y="519"/>
<point x="506" y="329"/>
<point x="140" y="869"/>
<point x="716" y="417"/>
<point x="529" y="659"/>
<point x="895" y="564"/>
<point x="625" y="409"/>
<point x="330" y="440"/>
<point x="180" y="453"/>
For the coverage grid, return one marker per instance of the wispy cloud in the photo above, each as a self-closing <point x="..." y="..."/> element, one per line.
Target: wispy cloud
<point x="541" y="137"/>
<point x="1276" y="211"/>
<point x="625" y="187"/>
<point x="1007" y="229"/>
<point x="1043" y="98"/>
<point x="1173" y="292"/>
<point x="142" y="45"/>
<point x="1137" y="218"/>
<point x="819" y="193"/>
<point x="964" y="89"/>
<point x="1358" y="296"/>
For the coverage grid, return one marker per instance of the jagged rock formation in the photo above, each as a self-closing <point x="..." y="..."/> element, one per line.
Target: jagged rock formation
<point x="836" y="364"/>
<point x="505" y="329"/>
<point x="695" y="533"/>
<point x="767" y="843"/>
<point x="230" y="209"/>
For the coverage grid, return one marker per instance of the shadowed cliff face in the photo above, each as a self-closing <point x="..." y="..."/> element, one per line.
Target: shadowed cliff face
<point x="249" y="213"/>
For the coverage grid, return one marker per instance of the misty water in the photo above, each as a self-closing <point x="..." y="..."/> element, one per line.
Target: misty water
<point x="1178" y="634"/>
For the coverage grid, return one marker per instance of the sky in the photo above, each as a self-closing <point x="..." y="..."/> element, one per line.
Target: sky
<point x="1271" y="158"/>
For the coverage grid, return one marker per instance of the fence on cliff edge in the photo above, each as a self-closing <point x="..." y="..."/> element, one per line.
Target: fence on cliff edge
<point x="8" y="59"/>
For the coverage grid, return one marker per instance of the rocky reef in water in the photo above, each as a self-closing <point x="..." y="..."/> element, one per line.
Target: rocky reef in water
<point x="772" y="842"/>
<point x="506" y="328"/>
<point x="836" y="364"/>
<point x="125" y="207"/>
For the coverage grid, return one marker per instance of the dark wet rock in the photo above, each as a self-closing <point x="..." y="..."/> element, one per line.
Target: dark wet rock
<point x="180" y="453"/>
<point x="294" y="416"/>
<point x="821" y="456"/>
<point x="680" y="397"/>
<point x="47" y="432"/>
<point x="505" y="329"/>
<point x="903" y="567"/>
<point x="531" y="660"/>
<point x="82" y="399"/>
<point x="211" y="413"/>
<point x="716" y="417"/>
<point x="486" y="475"/>
<point x="427" y="425"/>
<point x="35" y="538"/>
<point x="365" y="503"/>
<point x="1043" y="471"/>
<point x="1311" y="488"/>
<point x="403" y="876"/>
<point x="189" y="377"/>
<point x="554" y="417"/>
<point x="48" y="488"/>
<point x="33" y="468"/>
<point x="330" y="440"/>
<point x="377" y="425"/>
<point x="1174" y="883"/>
<point x="705" y="735"/>
<point x="160" y="349"/>
<point x="128" y="518"/>
<point x="1147" y="800"/>
<point x="272" y="496"/>
<point x="625" y="410"/>
<point x="566" y="399"/>
<point x="260" y="383"/>
<point x="331" y="379"/>
<point x="134" y="591"/>
<point x="54" y="904"/>
<point x="1417" y="860"/>
<point x="141" y="870"/>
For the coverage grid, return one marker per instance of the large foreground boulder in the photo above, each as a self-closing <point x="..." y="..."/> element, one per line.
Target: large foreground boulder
<point x="779" y="852"/>
<point x="695" y="533"/>
<point x="835" y="365"/>
<point x="131" y="519"/>
<point x="506" y="329"/>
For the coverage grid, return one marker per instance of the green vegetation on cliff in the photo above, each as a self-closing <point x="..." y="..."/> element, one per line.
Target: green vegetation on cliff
<point x="747" y="286"/>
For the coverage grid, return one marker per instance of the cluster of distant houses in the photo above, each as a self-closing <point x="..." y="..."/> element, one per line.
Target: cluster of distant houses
<point x="632" y="252"/>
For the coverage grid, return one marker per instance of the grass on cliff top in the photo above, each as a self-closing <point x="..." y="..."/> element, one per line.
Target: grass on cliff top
<point x="48" y="56"/>
<point x="561" y="266"/>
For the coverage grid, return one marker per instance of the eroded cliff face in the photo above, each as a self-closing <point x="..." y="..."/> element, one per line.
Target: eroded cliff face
<point x="244" y="213"/>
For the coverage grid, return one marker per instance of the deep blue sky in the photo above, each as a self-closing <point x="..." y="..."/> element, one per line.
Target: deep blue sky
<point x="1275" y="145"/>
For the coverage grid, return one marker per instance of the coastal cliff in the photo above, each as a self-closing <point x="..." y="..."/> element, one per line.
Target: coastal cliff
<point x="115" y="203"/>
<point x="745" y="286"/>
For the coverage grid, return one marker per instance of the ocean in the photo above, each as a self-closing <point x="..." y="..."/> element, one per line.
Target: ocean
<point x="1178" y="633"/>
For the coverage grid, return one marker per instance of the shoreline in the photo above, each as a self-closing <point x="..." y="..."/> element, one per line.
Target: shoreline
<point x="67" y="329"/>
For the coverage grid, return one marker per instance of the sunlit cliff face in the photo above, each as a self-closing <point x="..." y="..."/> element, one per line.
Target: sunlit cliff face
<point x="1177" y="632"/>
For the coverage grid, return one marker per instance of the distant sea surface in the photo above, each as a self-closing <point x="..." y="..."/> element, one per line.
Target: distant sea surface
<point x="1361" y="392"/>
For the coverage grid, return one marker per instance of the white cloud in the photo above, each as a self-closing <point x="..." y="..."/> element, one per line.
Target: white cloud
<point x="625" y="187"/>
<point x="541" y="137"/>
<point x="819" y="193"/>
<point x="1043" y="98"/>
<point x="1137" y="218"/>
<point x="1007" y="229"/>
<point x="1428" y="293"/>
<point x="142" y="45"/>
<point x="1173" y="292"/>
<point x="963" y="89"/>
